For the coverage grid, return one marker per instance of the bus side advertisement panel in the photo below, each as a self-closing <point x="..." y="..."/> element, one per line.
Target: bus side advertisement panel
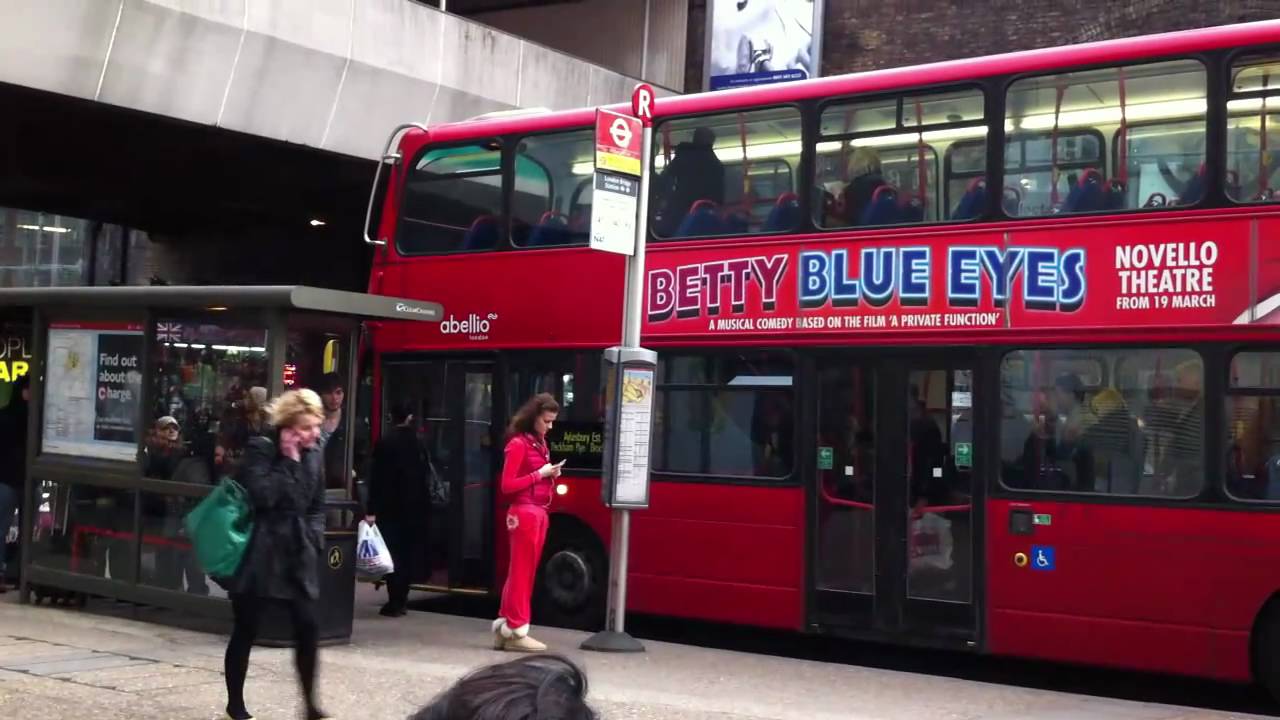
<point x="1266" y="307"/>
<point x="532" y="298"/>
<point x="1123" y="275"/>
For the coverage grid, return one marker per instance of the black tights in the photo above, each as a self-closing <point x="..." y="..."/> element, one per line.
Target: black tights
<point x="247" y="610"/>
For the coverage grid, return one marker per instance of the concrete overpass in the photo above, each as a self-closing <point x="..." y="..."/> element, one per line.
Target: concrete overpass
<point x="224" y="128"/>
<point x="330" y="74"/>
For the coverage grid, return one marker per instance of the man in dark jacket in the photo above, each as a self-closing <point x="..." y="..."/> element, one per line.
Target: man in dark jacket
<point x="695" y="173"/>
<point x="400" y="503"/>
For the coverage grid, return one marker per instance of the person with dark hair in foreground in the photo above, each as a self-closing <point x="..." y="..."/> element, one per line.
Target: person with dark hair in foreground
<point x="535" y="687"/>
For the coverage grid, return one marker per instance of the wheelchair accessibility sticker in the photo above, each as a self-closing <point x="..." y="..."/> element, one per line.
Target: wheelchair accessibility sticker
<point x="1042" y="558"/>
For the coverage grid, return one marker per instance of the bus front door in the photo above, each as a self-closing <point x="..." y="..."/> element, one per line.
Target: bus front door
<point x="453" y="406"/>
<point x="894" y="545"/>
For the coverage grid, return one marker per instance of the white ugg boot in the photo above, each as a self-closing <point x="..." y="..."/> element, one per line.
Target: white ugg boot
<point x="518" y="640"/>
<point x="500" y="633"/>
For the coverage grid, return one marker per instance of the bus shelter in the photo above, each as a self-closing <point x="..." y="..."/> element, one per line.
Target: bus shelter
<point x="142" y="398"/>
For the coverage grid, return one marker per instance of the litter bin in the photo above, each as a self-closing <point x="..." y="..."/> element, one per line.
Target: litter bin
<point x="336" y="606"/>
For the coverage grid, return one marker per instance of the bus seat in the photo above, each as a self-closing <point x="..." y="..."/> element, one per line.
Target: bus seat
<point x="552" y="229"/>
<point x="736" y="222"/>
<point x="910" y="209"/>
<point x="482" y="235"/>
<point x="1194" y="191"/>
<point x="785" y="214"/>
<point x="883" y="208"/>
<point x="1011" y="201"/>
<point x="1116" y="196"/>
<point x="1086" y="194"/>
<point x="973" y="201"/>
<point x="703" y="219"/>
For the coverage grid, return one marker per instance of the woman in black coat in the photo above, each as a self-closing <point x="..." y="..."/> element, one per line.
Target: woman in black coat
<point x="283" y="477"/>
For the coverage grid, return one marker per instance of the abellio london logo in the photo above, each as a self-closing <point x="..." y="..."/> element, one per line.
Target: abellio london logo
<point x="475" y="327"/>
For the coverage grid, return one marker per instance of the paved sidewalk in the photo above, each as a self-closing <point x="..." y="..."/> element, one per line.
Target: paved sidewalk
<point x="58" y="663"/>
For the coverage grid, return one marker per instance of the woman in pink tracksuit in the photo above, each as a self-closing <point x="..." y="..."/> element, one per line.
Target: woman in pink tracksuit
<point x="528" y="478"/>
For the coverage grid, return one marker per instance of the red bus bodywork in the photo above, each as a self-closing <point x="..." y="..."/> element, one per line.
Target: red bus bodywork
<point x="1172" y="589"/>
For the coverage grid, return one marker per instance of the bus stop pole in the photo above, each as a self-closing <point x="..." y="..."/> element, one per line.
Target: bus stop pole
<point x="614" y="637"/>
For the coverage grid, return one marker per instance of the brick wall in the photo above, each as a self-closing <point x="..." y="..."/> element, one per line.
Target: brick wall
<point x="873" y="34"/>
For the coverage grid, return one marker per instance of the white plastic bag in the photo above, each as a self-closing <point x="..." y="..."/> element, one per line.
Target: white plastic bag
<point x="373" y="559"/>
<point x="931" y="543"/>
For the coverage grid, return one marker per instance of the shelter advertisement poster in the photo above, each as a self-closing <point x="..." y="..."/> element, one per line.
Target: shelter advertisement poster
<point x="15" y="358"/>
<point x="119" y="386"/>
<point x="756" y="42"/>
<point x="92" y="392"/>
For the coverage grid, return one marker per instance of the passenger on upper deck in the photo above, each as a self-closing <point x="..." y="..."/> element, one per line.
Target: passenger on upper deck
<point x="695" y="173"/>
<point x="865" y="177"/>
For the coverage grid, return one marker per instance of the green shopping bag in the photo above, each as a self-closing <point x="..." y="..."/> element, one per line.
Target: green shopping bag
<point x="219" y="528"/>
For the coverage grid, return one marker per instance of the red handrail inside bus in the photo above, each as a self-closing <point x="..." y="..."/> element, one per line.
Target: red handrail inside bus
<point x="841" y="502"/>
<point x="922" y="172"/>
<point x="939" y="509"/>
<point x="1053" y="149"/>
<point x="746" y="167"/>
<point x="1122" y="136"/>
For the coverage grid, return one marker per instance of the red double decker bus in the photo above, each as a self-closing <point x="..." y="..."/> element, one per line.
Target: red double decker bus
<point x="975" y="354"/>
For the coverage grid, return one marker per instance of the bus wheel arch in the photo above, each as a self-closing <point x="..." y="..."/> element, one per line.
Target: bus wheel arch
<point x="573" y="576"/>
<point x="1264" y="645"/>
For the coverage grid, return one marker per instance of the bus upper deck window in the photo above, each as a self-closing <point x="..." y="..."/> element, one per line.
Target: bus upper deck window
<point x="1253" y="129"/>
<point x="452" y="201"/>
<point x="878" y="160"/>
<point x="552" y="190"/>
<point x="730" y="174"/>
<point x="1148" y="121"/>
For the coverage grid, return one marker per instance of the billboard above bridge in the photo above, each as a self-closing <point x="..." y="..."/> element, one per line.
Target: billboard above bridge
<point x="756" y="42"/>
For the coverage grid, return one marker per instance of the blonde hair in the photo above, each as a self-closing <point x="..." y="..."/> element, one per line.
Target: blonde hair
<point x="285" y="410"/>
<point x="865" y="160"/>
<point x="1107" y="401"/>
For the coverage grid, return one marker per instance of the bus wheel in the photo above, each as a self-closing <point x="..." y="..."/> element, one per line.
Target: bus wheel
<point x="572" y="582"/>
<point x="1267" y="651"/>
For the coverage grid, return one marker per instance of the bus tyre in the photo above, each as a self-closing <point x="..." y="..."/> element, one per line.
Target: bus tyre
<point x="572" y="582"/>
<point x="1267" y="652"/>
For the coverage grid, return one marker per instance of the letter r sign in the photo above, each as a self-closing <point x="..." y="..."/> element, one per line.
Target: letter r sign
<point x="642" y="103"/>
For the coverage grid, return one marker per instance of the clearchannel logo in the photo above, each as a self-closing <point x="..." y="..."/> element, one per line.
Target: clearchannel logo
<point x="474" y="326"/>
<point x="414" y="309"/>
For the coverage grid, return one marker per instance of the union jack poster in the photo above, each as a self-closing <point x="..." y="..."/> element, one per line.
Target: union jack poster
<point x="169" y="332"/>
